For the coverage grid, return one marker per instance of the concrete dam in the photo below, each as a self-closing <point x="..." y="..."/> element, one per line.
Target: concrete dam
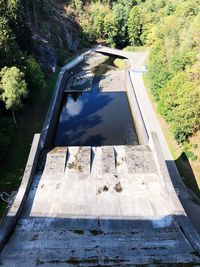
<point x="96" y="189"/>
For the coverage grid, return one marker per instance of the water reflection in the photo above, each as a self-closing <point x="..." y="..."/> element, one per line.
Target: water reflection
<point x="95" y="119"/>
<point x="73" y="108"/>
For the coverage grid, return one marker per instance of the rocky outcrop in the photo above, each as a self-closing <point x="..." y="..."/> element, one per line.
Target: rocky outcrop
<point x="55" y="35"/>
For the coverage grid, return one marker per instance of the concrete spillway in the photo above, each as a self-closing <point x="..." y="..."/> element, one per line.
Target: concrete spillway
<point x="103" y="206"/>
<point x="97" y="206"/>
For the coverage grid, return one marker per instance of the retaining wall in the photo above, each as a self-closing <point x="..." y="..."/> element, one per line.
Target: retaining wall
<point x="14" y="213"/>
<point x="136" y="112"/>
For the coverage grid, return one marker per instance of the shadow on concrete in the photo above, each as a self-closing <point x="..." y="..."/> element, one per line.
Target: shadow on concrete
<point x="49" y="241"/>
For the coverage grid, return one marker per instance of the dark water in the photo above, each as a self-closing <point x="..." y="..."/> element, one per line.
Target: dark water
<point x="94" y="119"/>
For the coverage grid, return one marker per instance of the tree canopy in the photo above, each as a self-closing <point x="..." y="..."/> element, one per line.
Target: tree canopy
<point x="13" y="87"/>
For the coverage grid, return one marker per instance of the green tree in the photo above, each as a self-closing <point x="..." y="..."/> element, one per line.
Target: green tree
<point x="179" y="104"/>
<point x="3" y="7"/>
<point x="135" y="26"/>
<point x="8" y="45"/>
<point x="13" y="88"/>
<point x="159" y="72"/>
<point x="120" y="16"/>
<point x="33" y="75"/>
<point x="97" y="13"/>
<point x="110" y="29"/>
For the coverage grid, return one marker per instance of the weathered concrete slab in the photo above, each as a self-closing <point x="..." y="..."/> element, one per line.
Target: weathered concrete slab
<point x="108" y="212"/>
<point x="55" y="162"/>
<point x="113" y="81"/>
<point x="79" y="160"/>
<point x="140" y="159"/>
<point x="108" y="160"/>
<point x="104" y="243"/>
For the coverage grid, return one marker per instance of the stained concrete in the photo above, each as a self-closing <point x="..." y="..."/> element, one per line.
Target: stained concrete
<point x="108" y="214"/>
<point x="113" y="81"/>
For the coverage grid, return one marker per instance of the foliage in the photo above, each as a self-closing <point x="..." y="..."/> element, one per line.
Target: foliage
<point x="173" y="65"/>
<point x="110" y="29"/>
<point x="195" y="146"/>
<point x="172" y="28"/>
<point x="12" y="87"/>
<point x="135" y="27"/>
<point x="194" y="158"/>
<point x="8" y="45"/>
<point x="35" y="82"/>
<point x="120" y="63"/>
<point x="189" y="154"/>
<point x="179" y="104"/>
<point x="6" y="135"/>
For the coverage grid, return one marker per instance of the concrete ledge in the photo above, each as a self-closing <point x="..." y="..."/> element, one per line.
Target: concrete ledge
<point x="174" y="204"/>
<point x="13" y="215"/>
<point x="55" y="105"/>
<point x="136" y="112"/>
<point x="111" y="51"/>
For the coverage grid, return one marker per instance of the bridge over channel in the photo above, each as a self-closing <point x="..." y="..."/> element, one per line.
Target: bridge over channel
<point x="97" y="206"/>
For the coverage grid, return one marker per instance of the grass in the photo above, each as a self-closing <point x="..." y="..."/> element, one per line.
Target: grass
<point x="122" y="64"/>
<point x="135" y="48"/>
<point x="30" y="121"/>
<point x="186" y="168"/>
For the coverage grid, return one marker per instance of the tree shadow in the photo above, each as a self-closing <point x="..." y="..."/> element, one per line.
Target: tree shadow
<point x="187" y="173"/>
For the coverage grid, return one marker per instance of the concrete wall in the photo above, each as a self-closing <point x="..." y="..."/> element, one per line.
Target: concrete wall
<point x="136" y="112"/>
<point x="13" y="215"/>
<point x="50" y="124"/>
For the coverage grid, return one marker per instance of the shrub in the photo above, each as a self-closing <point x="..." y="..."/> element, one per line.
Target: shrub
<point x="6" y="135"/>
<point x="194" y="158"/>
<point x="195" y="146"/>
<point x="189" y="154"/>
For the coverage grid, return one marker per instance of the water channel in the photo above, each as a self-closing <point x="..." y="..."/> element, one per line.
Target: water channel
<point x="96" y="118"/>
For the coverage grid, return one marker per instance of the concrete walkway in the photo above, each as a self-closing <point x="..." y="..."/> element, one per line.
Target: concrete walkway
<point x="192" y="208"/>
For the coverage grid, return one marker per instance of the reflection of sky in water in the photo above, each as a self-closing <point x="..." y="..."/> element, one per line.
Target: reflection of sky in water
<point x="74" y="108"/>
<point x="95" y="118"/>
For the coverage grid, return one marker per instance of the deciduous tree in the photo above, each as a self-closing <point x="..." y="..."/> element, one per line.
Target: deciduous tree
<point x="13" y="88"/>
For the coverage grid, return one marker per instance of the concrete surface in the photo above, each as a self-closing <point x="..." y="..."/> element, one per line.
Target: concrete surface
<point x="114" y="213"/>
<point x="113" y="81"/>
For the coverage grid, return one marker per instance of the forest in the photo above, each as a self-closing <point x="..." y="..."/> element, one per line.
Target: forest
<point x="170" y="28"/>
